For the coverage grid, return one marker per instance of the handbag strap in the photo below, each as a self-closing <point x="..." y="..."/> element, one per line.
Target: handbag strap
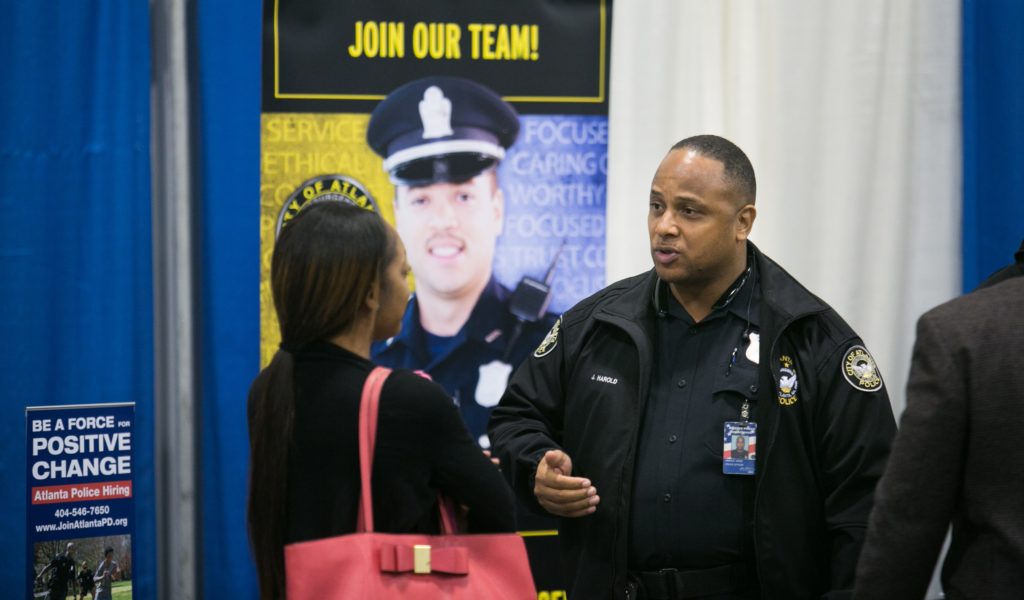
<point x="369" y="408"/>
<point x="447" y="515"/>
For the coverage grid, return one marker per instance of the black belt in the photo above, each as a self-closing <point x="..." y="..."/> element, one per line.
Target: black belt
<point x="672" y="584"/>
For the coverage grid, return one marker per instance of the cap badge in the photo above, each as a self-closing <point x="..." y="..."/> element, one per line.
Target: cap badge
<point x="435" y="113"/>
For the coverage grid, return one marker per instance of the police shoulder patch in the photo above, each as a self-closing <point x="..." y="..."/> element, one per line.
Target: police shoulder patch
<point x="788" y="383"/>
<point x="549" y="342"/>
<point x="860" y="370"/>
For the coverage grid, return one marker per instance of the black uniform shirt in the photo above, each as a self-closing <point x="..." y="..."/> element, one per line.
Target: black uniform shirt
<point x="685" y="512"/>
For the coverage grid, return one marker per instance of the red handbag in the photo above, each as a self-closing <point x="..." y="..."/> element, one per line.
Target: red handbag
<point x="386" y="565"/>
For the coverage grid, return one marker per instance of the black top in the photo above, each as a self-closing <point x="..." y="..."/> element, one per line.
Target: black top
<point x="686" y="513"/>
<point x="422" y="448"/>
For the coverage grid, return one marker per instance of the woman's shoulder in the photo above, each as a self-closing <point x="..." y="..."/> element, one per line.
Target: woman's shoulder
<point x="415" y="390"/>
<point x="413" y="405"/>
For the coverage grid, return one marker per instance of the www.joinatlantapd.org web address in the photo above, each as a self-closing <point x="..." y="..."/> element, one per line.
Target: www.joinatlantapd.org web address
<point x="82" y="524"/>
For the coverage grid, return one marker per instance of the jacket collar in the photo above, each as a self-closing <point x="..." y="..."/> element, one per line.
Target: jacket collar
<point x="633" y="302"/>
<point x="782" y="294"/>
<point x="783" y="297"/>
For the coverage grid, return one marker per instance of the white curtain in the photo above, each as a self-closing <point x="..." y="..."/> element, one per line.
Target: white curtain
<point x="850" y="113"/>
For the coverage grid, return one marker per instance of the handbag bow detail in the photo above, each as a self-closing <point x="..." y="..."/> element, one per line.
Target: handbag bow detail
<point x="423" y="559"/>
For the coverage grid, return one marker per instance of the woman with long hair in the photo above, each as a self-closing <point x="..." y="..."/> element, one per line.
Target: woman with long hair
<point x="338" y="278"/>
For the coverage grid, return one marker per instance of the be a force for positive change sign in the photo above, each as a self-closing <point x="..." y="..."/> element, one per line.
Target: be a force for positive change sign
<point x="80" y="500"/>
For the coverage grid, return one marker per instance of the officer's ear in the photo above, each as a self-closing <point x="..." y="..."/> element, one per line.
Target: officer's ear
<point x="745" y="222"/>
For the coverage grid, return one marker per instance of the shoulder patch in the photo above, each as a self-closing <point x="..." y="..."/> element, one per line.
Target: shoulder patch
<point x="860" y="370"/>
<point x="788" y="383"/>
<point x="549" y="342"/>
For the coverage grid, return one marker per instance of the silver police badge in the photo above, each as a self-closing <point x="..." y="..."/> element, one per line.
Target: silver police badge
<point x="549" y="342"/>
<point x="860" y="370"/>
<point x="491" y="382"/>
<point x="753" y="352"/>
<point x="435" y="113"/>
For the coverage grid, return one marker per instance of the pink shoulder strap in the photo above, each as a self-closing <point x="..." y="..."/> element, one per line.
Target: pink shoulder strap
<point x="369" y="408"/>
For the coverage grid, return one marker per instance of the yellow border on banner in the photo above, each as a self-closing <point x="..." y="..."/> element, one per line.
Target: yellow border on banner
<point x="538" y="533"/>
<point x="581" y="99"/>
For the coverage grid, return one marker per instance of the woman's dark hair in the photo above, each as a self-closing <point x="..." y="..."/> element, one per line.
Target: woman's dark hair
<point x="325" y="264"/>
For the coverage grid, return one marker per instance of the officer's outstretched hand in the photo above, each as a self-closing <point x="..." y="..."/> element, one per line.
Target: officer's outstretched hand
<point x="558" y="492"/>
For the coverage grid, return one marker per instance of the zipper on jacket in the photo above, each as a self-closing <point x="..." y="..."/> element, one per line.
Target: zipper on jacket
<point x="635" y="333"/>
<point x="771" y="443"/>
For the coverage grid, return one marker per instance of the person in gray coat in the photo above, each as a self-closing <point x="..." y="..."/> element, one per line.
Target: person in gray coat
<point x="958" y="458"/>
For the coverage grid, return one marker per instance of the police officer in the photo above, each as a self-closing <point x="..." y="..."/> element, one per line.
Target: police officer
<point x="63" y="576"/>
<point x="621" y="420"/>
<point x="441" y="139"/>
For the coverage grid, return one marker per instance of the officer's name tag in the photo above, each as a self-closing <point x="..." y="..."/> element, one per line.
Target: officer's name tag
<point x="739" y="451"/>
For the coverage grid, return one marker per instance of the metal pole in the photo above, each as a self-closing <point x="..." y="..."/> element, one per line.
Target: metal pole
<point x="176" y="372"/>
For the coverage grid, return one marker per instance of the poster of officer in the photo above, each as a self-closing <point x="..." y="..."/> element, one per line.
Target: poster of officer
<point x="480" y="131"/>
<point x="441" y="140"/>
<point x="482" y="138"/>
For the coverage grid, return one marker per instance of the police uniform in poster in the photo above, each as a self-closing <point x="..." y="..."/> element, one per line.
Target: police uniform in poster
<point x="474" y="367"/>
<point x="441" y="139"/>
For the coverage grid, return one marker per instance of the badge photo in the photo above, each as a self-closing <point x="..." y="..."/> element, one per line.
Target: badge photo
<point x="739" y="448"/>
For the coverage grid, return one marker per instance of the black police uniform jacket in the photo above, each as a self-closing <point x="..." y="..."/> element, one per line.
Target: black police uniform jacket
<point x="484" y="339"/>
<point x="822" y="447"/>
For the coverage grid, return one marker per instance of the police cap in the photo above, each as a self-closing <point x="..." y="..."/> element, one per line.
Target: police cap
<point x="441" y="129"/>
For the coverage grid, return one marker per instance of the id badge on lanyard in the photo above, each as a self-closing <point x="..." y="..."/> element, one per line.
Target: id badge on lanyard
<point x="739" y="445"/>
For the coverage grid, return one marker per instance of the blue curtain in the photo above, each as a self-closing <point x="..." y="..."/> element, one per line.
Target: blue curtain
<point x="993" y="145"/>
<point x="75" y="255"/>
<point x="229" y="212"/>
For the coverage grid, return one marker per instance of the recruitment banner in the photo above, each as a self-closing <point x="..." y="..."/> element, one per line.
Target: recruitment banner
<point x="480" y="130"/>
<point x="80" y="498"/>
